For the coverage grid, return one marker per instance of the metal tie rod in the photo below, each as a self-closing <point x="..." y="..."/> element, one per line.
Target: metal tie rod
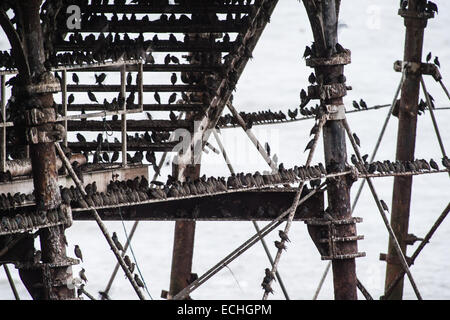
<point x="99" y="221"/>
<point x="383" y="215"/>
<point x="255" y="224"/>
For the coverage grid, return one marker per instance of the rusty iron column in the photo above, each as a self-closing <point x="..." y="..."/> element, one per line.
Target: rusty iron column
<point x="415" y="24"/>
<point x="34" y="96"/>
<point x="329" y="68"/>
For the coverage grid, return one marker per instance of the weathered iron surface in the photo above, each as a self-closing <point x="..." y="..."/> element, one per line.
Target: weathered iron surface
<point x="239" y="206"/>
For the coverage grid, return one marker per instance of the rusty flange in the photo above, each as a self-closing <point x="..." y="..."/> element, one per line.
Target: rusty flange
<point x="47" y="84"/>
<point x="337" y="59"/>
<point x="415" y="15"/>
<point x="423" y="68"/>
<point x="327" y="91"/>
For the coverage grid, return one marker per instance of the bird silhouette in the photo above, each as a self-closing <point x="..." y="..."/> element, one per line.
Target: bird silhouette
<point x="75" y="78"/>
<point x="100" y="78"/>
<point x="172" y="97"/>
<point x="78" y="253"/>
<point x="91" y="96"/>
<point x="173" y="78"/>
<point x="436" y="62"/>
<point x="157" y="97"/>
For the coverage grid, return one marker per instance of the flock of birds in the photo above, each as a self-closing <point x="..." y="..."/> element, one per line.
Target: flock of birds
<point x="139" y="189"/>
<point x="130" y="265"/>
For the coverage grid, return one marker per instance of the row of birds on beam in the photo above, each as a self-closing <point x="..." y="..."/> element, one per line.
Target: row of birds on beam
<point x="27" y="219"/>
<point x="102" y="22"/>
<point x="139" y="189"/>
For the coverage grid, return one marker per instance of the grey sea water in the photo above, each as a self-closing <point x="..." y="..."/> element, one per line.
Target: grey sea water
<point x="374" y="33"/>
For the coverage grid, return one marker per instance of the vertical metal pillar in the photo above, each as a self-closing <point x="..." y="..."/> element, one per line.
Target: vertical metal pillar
<point x="183" y="244"/>
<point x="323" y="19"/>
<point x="64" y="102"/>
<point x="406" y="140"/>
<point x="43" y="159"/>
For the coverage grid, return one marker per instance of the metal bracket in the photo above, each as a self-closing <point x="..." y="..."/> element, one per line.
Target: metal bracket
<point x="335" y="112"/>
<point x="40" y="116"/>
<point x="422" y="68"/>
<point x="327" y="91"/>
<point x="394" y="260"/>
<point x="415" y="15"/>
<point x="328" y="248"/>
<point x="47" y="133"/>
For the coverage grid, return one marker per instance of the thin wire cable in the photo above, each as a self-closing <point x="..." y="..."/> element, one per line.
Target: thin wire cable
<point x="134" y="256"/>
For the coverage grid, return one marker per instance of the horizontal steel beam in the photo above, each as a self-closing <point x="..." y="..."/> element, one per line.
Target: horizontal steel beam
<point x="131" y="146"/>
<point x="239" y="206"/>
<point x="146" y="107"/>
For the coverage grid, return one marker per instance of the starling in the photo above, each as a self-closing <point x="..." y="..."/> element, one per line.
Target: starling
<point x="384" y="205"/>
<point x="138" y="281"/>
<point x="172" y="97"/>
<point x="83" y="275"/>
<point x="157" y="97"/>
<point x="70" y="99"/>
<point x="280" y="245"/>
<point x="267" y="147"/>
<point x="269" y="273"/>
<point x="100" y="78"/>
<point x="436" y="62"/>
<point x="446" y="162"/>
<point x="283" y="236"/>
<point x="312" y="78"/>
<point x="81" y="138"/>
<point x="172" y="116"/>
<point x="75" y="78"/>
<point x="428" y="57"/>
<point x="307" y="52"/>
<point x="78" y="253"/>
<point x="175" y="60"/>
<point x="129" y="79"/>
<point x="292" y="114"/>
<point x="356" y="105"/>
<point x="91" y="96"/>
<point x="115" y="156"/>
<point x="357" y="141"/>
<point x="434" y="165"/>
<point x="363" y="104"/>
<point x="309" y="145"/>
<point x="173" y="78"/>
<point x="167" y="59"/>
<point x="127" y="261"/>
<point x="116" y="241"/>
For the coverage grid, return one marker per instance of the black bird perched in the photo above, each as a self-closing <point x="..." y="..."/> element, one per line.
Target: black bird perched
<point x="100" y="78"/>
<point x="428" y="57"/>
<point x="292" y="114"/>
<point x="83" y="275"/>
<point x="267" y="147"/>
<point x="434" y="165"/>
<point x="157" y="97"/>
<point x="78" y="253"/>
<point x="283" y="236"/>
<point x="116" y="241"/>
<point x="307" y="52"/>
<point x="129" y="79"/>
<point x="70" y="99"/>
<point x="138" y="281"/>
<point x="312" y="78"/>
<point x="363" y="104"/>
<point x="269" y="273"/>
<point x="167" y="59"/>
<point x="81" y="138"/>
<point x="436" y="62"/>
<point x="357" y="141"/>
<point x="91" y="96"/>
<point x="172" y="116"/>
<point x="356" y="105"/>
<point x="173" y="78"/>
<point x="115" y="156"/>
<point x="309" y="145"/>
<point x="384" y="205"/>
<point x="280" y="245"/>
<point x="172" y="97"/>
<point x="127" y="261"/>
<point x="75" y="78"/>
